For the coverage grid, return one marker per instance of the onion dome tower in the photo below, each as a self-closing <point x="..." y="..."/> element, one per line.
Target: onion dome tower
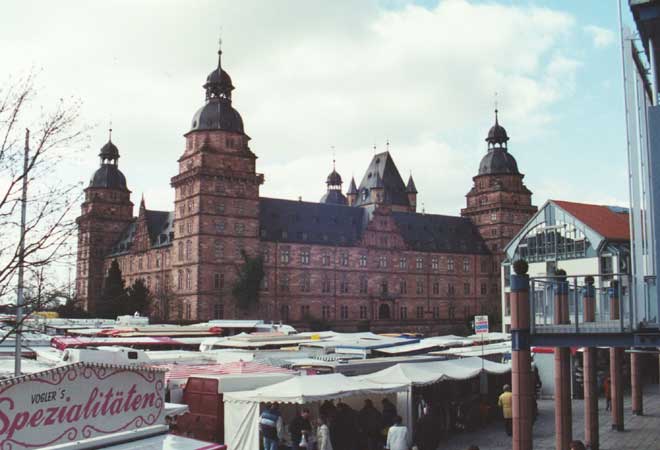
<point x="334" y="194"/>
<point x="108" y="175"/>
<point x="499" y="203"/>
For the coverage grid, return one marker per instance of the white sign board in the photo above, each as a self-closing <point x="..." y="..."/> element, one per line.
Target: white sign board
<point x="77" y="402"/>
<point x="480" y="324"/>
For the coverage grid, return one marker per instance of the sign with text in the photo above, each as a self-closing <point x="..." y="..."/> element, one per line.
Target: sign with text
<point x="480" y="324"/>
<point x="77" y="402"/>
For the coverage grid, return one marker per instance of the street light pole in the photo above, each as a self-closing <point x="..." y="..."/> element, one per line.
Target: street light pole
<point x="21" y="258"/>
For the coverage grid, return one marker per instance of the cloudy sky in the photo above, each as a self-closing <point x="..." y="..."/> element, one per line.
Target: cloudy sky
<point x="312" y="75"/>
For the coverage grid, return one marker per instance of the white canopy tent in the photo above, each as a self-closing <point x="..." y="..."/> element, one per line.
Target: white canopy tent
<point x="425" y="373"/>
<point x="242" y="408"/>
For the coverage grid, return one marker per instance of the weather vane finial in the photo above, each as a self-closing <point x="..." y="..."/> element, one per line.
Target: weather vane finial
<point x="333" y="157"/>
<point x="496" y="106"/>
<point x="110" y="131"/>
<point x="387" y="144"/>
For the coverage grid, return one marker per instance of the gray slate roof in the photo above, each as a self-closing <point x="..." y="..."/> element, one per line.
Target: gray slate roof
<point x="382" y="172"/>
<point x="436" y="233"/>
<point x="161" y="231"/>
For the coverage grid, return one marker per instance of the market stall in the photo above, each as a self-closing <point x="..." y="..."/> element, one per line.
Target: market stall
<point x="242" y="408"/>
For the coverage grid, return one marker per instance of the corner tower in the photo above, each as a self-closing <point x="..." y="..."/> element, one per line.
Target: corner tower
<point x="499" y="203"/>
<point x="105" y="213"/>
<point x="216" y="205"/>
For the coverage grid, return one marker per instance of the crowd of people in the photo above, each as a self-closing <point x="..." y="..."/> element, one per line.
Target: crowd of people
<point x="340" y="427"/>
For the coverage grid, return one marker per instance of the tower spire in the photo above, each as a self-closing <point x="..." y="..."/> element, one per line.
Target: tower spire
<point x="220" y="51"/>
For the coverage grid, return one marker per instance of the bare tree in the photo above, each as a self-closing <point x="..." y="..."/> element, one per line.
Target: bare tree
<point x="50" y="221"/>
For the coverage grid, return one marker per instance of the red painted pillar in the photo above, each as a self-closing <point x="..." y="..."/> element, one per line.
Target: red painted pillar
<point x="563" y="414"/>
<point x="636" y="383"/>
<point x="521" y="364"/>
<point x="589" y="371"/>
<point x="614" y="300"/>
<point x="616" y="361"/>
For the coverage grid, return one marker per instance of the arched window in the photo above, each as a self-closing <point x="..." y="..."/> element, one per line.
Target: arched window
<point x="188" y="250"/>
<point x="384" y="312"/>
<point x="179" y="283"/>
<point x="188" y="279"/>
<point x="180" y="253"/>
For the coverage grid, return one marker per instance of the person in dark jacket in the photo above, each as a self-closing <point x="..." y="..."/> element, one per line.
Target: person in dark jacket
<point x="371" y="423"/>
<point x="344" y="430"/>
<point x="427" y="432"/>
<point x="300" y="426"/>
<point x="389" y="413"/>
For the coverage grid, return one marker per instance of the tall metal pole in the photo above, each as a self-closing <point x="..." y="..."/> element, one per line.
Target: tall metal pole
<point x="21" y="257"/>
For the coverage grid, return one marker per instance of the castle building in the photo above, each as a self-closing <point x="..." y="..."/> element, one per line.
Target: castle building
<point x="364" y="259"/>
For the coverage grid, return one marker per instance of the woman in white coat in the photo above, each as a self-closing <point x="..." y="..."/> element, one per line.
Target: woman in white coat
<point x="323" y="435"/>
<point x="397" y="436"/>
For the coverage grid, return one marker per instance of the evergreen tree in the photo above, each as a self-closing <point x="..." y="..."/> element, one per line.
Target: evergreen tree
<point x="113" y="297"/>
<point x="138" y="298"/>
<point x="250" y="276"/>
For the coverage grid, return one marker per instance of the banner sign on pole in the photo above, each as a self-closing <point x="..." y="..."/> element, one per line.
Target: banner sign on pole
<point x="480" y="324"/>
<point x="77" y="402"/>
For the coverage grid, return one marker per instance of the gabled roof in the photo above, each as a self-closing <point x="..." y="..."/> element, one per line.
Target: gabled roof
<point x="160" y="225"/>
<point x="436" y="233"/>
<point x="311" y="223"/>
<point x="382" y="172"/>
<point x="610" y="222"/>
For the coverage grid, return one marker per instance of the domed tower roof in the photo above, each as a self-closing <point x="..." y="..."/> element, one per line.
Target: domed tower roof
<point x="334" y="179"/>
<point x="498" y="160"/>
<point x="218" y="113"/>
<point x="108" y="176"/>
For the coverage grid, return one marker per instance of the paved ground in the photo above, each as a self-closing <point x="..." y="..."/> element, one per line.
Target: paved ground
<point x="641" y="433"/>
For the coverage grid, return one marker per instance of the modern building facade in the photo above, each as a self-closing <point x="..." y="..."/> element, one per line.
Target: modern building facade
<point x="361" y="259"/>
<point x="579" y="238"/>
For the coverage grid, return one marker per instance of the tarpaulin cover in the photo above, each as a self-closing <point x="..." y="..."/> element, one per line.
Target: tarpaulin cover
<point x="422" y="373"/>
<point x="314" y="388"/>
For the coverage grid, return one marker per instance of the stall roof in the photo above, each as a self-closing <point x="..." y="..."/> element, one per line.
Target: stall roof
<point x="308" y="389"/>
<point x="419" y="374"/>
<point x="73" y="342"/>
<point x="427" y="344"/>
<point x="182" y="371"/>
<point x="476" y="350"/>
<point x="167" y="442"/>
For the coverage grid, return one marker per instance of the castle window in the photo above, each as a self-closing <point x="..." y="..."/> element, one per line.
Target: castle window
<point x="304" y="256"/>
<point x="484" y="265"/>
<point x="466" y="288"/>
<point x="343" y="258"/>
<point x="436" y="312"/>
<point x="157" y="261"/>
<point x="220" y="226"/>
<point x="403" y="287"/>
<point x="403" y="263"/>
<point x="218" y="249"/>
<point x="220" y="208"/>
<point x="382" y="261"/>
<point x="265" y="254"/>
<point x="284" y="255"/>
<point x="325" y="284"/>
<point x="434" y="263"/>
<point x="420" y="312"/>
<point x="264" y="282"/>
<point x="181" y="228"/>
<point x="493" y="216"/>
<point x="343" y="312"/>
<point x="284" y="282"/>
<point x="450" y="289"/>
<point x="383" y="241"/>
<point x="493" y="232"/>
<point x="188" y="311"/>
<point x="182" y="210"/>
<point x="304" y="311"/>
<point x="305" y="282"/>
<point x="188" y="279"/>
<point x="189" y="225"/>
<point x="403" y="312"/>
<point x="420" y="287"/>
<point x="157" y="287"/>
<point x="240" y="207"/>
<point x="148" y="261"/>
<point x="384" y="289"/>
<point x="364" y="285"/>
<point x="130" y="263"/>
<point x="466" y="264"/>
<point x="363" y="260"/>
<point x="218" y="280"/>
<point x="179" y="283"/>
<point x="140" y="263"/>
<point x="325" y="259"/>
<point x="190" y="205"/>
<point x="419" y="263"/>
<point x="218" y="311"/>
<point x="188" y="251"/>
<point x="325" y="312"/>
<point x="343" y="285"/>
<point x="363" y="312"/>
<point x="436" y="288"/>
<point x="239" y="228"/>
<point x="484" y="289"/>
<point x="219" y="187"/>
<point x="365" y="194"/>
<point x="284" y="312"/>
<point x="450" y="264"/>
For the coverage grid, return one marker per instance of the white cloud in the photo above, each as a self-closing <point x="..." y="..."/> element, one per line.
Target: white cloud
<point x="309" y="75"/>
<point x="601" y="37"/>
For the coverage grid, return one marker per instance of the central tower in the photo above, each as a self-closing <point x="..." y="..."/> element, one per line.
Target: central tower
<point x="216" y="205"/>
